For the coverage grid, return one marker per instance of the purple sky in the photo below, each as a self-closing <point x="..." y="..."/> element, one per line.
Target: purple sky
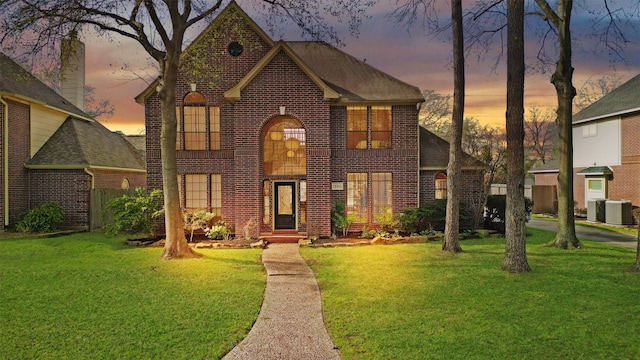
<point x="409" y="56"/>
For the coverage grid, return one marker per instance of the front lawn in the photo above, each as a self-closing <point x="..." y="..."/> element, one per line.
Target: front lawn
<point x="415" y="302"/>
<point x="87" y="296"/>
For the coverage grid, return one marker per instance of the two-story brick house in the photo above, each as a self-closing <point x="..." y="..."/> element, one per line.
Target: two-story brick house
<point x="51" y="150"/>
<point x="274" y="133"/>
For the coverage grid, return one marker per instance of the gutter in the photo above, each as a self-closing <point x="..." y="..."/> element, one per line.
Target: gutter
<point x="5" y="150"/>
<point x="82" y="167"/>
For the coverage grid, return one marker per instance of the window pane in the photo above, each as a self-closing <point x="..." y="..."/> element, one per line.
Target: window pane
<point x="595" y="184"/>
<point x="357" y="202"/>
<point x="216" y="195"/>
<point x="214" y="128"/>
<point x="441" y="186"/>
<point x="284" y="148"/>
<point x="266" y="191"/>
<point x="179" y="129"/>
<point x="195" y="191"/>
<point x="356" y="127"/>
<point x="381" y="118"/>
<point x="381" y="139"/>
<point x="195" y="128"/>
<point x="303" y="201"/>
<point x="382" y="193"/>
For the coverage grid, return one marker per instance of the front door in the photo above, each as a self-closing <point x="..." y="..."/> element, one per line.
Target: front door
<point x="285" y="205"/>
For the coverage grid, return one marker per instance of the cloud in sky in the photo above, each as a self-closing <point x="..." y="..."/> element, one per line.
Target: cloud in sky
<point x="412" y="57"/>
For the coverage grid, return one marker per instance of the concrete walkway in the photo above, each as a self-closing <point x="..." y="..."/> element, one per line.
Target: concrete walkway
<point x="290" y="324"/>
<point x="588" y="233"/>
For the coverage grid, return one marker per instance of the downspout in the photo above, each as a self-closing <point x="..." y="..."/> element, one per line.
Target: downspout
<point x="86" y="170"/>
<point x="5" y="150"/>
<point x="418" y="108"/>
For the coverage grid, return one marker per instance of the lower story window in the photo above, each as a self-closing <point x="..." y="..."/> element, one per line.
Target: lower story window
<point x="202" y="191"/>
<point x="441" y="186"/>
<point x="357" y="200"/>
<point x="381" y="193"/>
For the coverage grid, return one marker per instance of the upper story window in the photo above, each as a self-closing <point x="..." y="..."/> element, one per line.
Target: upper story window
<point x="369" y="127"/>
<point x="590" y="130"/>
<point x="198" y="127"/>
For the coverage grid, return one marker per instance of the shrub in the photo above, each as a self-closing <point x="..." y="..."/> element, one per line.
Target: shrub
<point x="45" y="218"/>
<point x="432" y="216"/>
<point x="340" y="221"/>
<point x="133" y="214"/>
<point x="495" y="212"/>
<point x="219" y="231"/>
<point x="196" y="220"/>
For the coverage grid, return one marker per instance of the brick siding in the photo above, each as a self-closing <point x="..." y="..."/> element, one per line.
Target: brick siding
<point x="69" y="188"/>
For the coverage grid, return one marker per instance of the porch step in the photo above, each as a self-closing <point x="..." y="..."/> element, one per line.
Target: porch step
<point x="283" y="237"/>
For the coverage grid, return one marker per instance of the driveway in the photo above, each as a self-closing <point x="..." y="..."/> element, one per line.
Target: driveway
<point x="588" y="233"/>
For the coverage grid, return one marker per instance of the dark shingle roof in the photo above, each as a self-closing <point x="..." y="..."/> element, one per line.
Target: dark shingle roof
<point x="550" y="166"/>
<point x="79" y="143"/>
<point x="16" y="80"/>
<point x="622" y="99"/>
<point x="434" y="152"/>
<point x="351" y="77"/>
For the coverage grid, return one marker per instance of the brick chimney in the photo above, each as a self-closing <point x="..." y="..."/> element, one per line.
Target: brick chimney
<point x="72" y="71"/>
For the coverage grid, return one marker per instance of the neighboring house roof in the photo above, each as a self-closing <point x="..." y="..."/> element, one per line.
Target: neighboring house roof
<point x="551" y="166"/>
<point x="81" y="144"/>
<point x="139" y="143"/>
<point x="596" y="170"/>
<point x="623" y="99"/>
<point x="18" y="82"/>
<point x="434" y="153"/>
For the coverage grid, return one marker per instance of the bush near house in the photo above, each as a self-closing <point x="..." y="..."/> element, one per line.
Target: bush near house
<point x="133" y="214"/>
<point x="495" y="212"/>
<point x="45" y="218"/>
<point x="432" y="217"/>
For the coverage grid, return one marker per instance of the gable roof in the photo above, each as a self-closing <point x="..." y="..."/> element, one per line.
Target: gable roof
<point x="17" y="82"/>
<point x="434" y="153"/>
<point x="354" y="79"/>
<point x="341" y="76"/>
<point x="622" y="100"/>
<point x="80" y="144"/>
<point x="233" y="94"/>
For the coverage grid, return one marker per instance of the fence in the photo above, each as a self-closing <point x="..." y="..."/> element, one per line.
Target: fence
<point x="501" y="189"/>
<point x="99" y="200"/>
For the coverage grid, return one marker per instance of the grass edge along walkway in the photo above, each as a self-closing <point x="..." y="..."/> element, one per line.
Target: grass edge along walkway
<point x="89" y="296"/>
<point x="415" y="302"/>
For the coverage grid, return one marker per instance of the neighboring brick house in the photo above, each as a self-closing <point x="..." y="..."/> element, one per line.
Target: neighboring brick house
<point x="606" y="149"/>
<point x="52" y="151"/>
<point x="275" y="133"/>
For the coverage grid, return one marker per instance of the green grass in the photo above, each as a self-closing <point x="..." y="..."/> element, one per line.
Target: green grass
<point x="87" y="296"/>
<point x="414" y="302"/>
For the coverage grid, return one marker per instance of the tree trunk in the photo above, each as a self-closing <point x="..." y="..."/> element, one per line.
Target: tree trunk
<point x="562" y="79"/>
<point x="515" y="257"/>
<point x="176" y="245"/>
<point x="452" y="225"/>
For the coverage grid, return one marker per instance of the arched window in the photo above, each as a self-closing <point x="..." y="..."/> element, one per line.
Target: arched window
<point x="195" y="122"/>
<point x="441" y="186"/>
<point x="125" y="184"/>
<point x="284" y="148"/>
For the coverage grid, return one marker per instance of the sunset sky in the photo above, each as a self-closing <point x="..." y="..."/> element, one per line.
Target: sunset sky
<point x="114" y="67"/>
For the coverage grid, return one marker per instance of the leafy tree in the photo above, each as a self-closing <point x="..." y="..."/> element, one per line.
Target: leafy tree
<point x="196" y="220"/>
<point x="160" y="28"/>
<point x="134" y="214"/>
<point x="435" y="113"/>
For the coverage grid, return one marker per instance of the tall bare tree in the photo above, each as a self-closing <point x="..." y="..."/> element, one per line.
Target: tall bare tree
<point x="562" y="79"/>
<point x="592" y="90"/>
<point x="160" y="28"/>
<point x="435" y="112"/>
<point x="515" y="256"/>
<point x="450" y="242"/>
<point x="540" y="132"/>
